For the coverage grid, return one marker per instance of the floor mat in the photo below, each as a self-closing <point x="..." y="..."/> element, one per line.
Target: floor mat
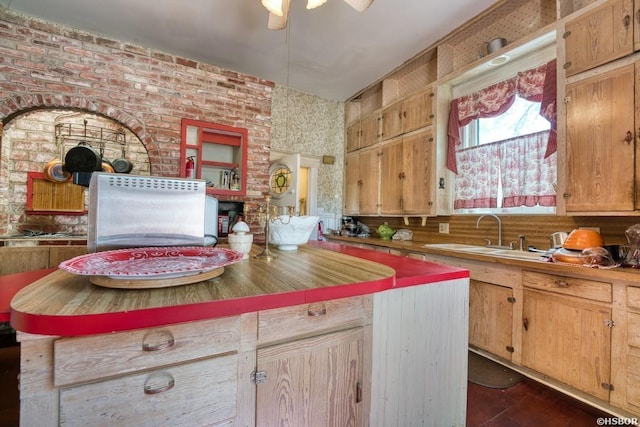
<point x="488" y="373"/>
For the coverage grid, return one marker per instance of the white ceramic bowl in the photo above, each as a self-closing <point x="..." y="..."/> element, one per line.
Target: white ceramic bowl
<point x="287" y="232"/>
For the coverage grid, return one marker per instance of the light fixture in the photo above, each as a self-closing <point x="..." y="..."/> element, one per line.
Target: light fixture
<point x="274" y="6"/>
<point x="279" y="10"/>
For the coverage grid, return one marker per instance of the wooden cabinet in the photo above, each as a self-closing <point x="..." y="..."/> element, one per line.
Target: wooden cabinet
<point x="363" y="133"/>
<point x="219" y="154"/>
<point x="601" y="143"/>
<point x="631" y="375"/>
<point x="311" y="366"/>
<point x="491" y="318"/>
<point x="567" y="333"/>
<point x="410" y="114"/>
<point x="599" y="36"/>
<point x="405" y="178"/>
<point x="313" y="381"/>
<point x="143" y="377"/>
<point x="361" y="182"/>
<point x="352" y="136"/>
<point x="417" y="111"/>
<point x="391" y="176"/>
<point x="20" y="259"/>
<point x="158" y="397"/>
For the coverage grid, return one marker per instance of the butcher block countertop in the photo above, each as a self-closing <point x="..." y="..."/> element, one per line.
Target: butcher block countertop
<point x="62" y="303"/>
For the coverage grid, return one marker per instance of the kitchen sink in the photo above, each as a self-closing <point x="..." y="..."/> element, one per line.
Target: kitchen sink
<point x="484" y="250"/>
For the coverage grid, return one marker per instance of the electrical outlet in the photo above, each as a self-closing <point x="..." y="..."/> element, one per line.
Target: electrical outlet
<point x="443" y="228"/>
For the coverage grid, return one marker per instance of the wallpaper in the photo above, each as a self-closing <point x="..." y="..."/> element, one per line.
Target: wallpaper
<point x="312" y="127"/>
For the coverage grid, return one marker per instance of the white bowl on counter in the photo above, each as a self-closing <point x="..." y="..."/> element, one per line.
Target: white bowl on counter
<point x="288" y="232"/>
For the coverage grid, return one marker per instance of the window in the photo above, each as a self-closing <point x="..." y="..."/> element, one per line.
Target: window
<point x="522" y="118"/>
<point x="502" y="145"/>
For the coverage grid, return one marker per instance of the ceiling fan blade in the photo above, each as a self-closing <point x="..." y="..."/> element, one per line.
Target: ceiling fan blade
<point x="359" y="5"/>
<point x="279" y="22"/>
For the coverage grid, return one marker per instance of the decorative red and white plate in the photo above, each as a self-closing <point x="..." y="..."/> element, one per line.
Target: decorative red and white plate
<point x="151" y="262"/>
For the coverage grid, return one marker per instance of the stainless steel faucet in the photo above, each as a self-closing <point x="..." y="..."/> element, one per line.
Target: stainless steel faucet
<point x="499" y="226"/>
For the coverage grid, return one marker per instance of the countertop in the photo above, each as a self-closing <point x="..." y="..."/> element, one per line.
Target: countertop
<point x="61" y="303"/>
<point x="607" y="274"/>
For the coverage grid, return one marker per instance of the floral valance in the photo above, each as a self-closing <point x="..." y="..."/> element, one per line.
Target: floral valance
<point x="537" y="85"/>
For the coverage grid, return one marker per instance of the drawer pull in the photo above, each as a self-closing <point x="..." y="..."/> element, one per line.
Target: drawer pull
<point x="157" y="340"/>
<point x="159" y="383"/>
<point x="562" y="283"/>
<point x="317" y="310"/>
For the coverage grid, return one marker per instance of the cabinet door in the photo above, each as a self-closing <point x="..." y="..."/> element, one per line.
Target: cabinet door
<point x="369" y="182"/>
<point x="491" y="318"/>
<point x="600" y="36"/>
<point x="315" y="381"/>
<point x="352" y="184"/>
<point x="391" y="178"/>
<point x="392" y="121"/>
<point x="370" y="130"/>
<point x="601" y="143"/>
<point x="417" y="111"/>
<point x="567" y="339"/>
<point x="353" y="137"/>
<point x="417" y="182"/>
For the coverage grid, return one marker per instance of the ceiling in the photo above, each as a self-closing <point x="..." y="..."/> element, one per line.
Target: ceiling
<point x="333" y="51"/>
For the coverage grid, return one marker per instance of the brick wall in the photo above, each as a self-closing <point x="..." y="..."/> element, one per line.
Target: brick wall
<point x="43" y="65"/>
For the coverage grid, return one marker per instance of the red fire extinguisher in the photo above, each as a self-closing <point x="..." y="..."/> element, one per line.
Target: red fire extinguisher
<point x="191" y="168"/>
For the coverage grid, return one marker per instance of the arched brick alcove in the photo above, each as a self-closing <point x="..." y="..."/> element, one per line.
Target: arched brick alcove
<point x="11" y="108"/>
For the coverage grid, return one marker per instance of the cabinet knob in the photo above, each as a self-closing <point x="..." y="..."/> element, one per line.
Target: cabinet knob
<point x="525" y="324"/>
<point x="157" y="340"/>
<point x="159" y="382"/>
<point x="626" y="21"/>
<point x="316" y="310"/>
<point x="629" y="137"/>
<point x="562" y="283"/>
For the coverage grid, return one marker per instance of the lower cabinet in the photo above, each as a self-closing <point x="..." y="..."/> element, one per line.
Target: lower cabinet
<point x="630" y="376"/>
<point x="491" y="318"/>
<point x="315" y="381"/>
<point x="199" y="393"/>
<point x="312" y="367"/>
<point x="375" y="360"/>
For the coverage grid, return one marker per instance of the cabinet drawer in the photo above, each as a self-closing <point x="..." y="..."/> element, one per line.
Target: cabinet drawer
<point x="200" y="393"/>
<point x="81" y="359"/>
<point x="597" y="291"/>
<point x="633" y="297"/>
<point x="313" y="319"/>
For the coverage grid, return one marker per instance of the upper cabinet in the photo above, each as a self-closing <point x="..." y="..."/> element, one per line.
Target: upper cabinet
<point x="216" y="153"/>
<point x="600" y="36"/>
<point x="601" y="144"/>
<point x="412" y="113"/>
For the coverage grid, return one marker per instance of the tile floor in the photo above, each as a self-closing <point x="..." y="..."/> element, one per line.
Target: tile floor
<point x="526" y="404"/>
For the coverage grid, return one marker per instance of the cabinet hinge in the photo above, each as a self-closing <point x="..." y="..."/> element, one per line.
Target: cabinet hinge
<point x="607" y="386"/>
<point x="512" y="300"/>
<point x="609" y="323"/>
<point x="258" y="377"/>
<point x="566" y="99"/>
<point x="510" y="349"/>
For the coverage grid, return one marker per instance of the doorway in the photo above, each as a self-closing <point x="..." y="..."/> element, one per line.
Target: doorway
<point x="293" y="181"/>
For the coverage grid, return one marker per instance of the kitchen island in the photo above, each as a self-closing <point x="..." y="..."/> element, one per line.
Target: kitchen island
<point x="326" y="335"/>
